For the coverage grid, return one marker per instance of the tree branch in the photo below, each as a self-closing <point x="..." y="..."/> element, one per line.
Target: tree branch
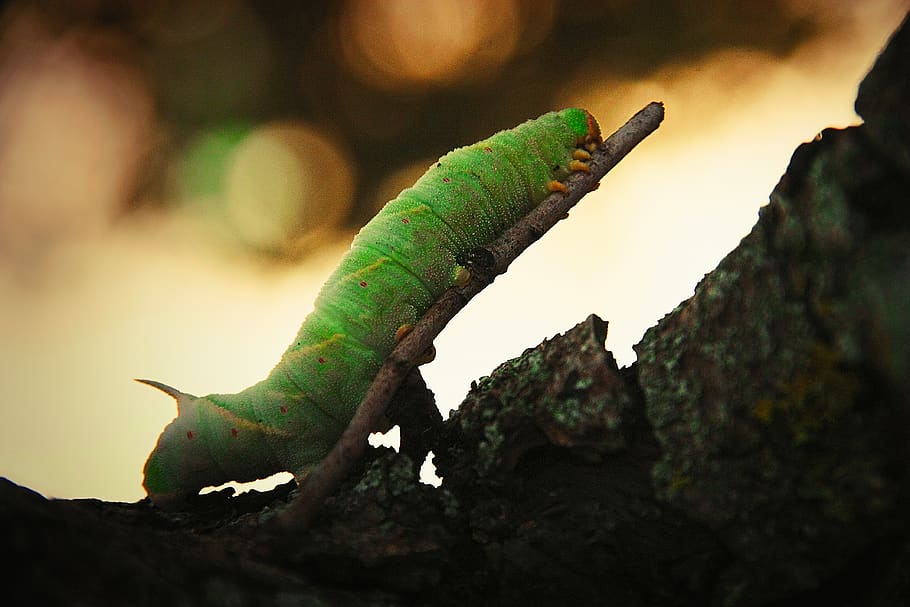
<point x="352" y="444"/>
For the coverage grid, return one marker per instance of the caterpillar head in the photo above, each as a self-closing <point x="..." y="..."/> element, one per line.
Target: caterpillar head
<point x="181" y="463"/>
<point x="585" y="127"/>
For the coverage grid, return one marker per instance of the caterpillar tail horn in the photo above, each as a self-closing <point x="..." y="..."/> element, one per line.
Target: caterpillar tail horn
<point x="174" y="393"/>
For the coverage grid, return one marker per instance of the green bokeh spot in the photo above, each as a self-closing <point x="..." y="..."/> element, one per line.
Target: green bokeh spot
<point x="207" y="159"/>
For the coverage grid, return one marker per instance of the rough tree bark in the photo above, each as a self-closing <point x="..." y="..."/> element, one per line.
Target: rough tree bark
<point x="755" y="454"/>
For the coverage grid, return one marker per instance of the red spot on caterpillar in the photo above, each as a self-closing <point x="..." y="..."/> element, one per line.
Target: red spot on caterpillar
<point x="283" y="409"/>
<point x="405" y="220"/>
<point x="321" y="360"/>
<point x="234" y="432"/>
<point x="446" y="180"/>
<point x="189" y="434"/>
<point x="488" y="149"/>
<point x="363" y="283"/>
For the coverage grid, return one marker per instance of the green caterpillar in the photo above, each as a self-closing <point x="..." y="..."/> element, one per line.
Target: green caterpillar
<point x="398" y="265"/>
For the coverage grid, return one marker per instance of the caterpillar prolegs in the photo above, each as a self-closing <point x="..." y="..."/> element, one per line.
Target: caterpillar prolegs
<point x="399" y="264"/>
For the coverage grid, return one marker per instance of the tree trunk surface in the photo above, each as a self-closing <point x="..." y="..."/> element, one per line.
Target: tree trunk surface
<point x="756" y="453"/>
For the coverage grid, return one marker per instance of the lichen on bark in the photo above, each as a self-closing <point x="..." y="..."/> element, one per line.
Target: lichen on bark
<point x="778" y="391"/>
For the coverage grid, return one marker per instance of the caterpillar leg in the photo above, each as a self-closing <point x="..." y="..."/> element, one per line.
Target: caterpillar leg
<point x="578" y="165"/>
<point x="428" y="356"/>
<point x="557" y="186"/>
<point x="581" y="154"/>
<point x="462" y="276"/>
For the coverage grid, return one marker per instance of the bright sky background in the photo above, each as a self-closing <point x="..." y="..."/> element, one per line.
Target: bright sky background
<point x="88" y="301"/>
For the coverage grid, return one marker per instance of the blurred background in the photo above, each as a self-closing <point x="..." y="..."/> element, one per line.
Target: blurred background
<point x="177" y="179"/>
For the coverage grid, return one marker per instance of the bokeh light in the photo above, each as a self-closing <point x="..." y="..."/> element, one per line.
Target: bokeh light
<point x="413" y="43"/>
<point x="74" y="127"/>
<point x="287" y="183"/>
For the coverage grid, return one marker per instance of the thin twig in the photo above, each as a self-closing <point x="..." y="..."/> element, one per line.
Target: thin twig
<point x="350" y="447"/>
